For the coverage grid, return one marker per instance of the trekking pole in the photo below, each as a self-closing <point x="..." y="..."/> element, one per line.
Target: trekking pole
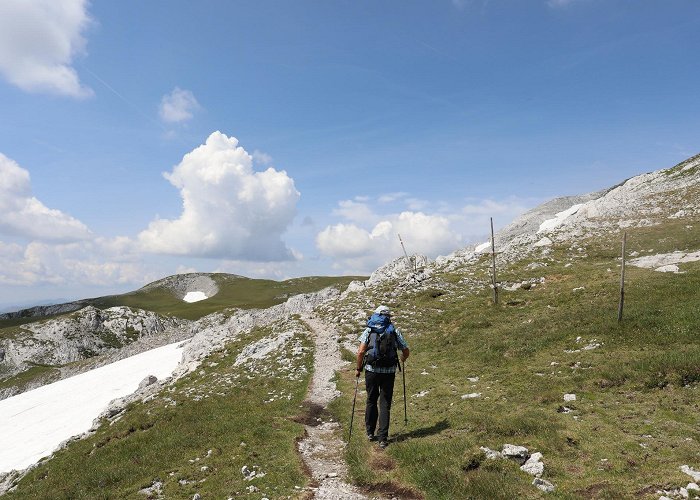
<point x="352" y="416"/>
<point x="405" y="414"/>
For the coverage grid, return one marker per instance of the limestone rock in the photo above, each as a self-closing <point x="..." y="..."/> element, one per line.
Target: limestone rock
<point x="691" y="472"/>
<point x="517" y="453"/>
<point x="543" y="485"/>
<point x="491" y="454"/>
<point x="151" y="379"/>
<point x="533" y="465"/>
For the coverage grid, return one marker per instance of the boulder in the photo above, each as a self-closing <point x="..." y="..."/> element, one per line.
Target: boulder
<point x="517" y="453"/>
<point x="491" y="454"/>
<point x="691" y="472"/>
<point x="149" y="380"/>
<point x="533" y="466"/>
<point x="543" y="485"/>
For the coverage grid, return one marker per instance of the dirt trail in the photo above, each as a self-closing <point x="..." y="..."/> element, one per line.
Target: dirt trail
<point x="322" y="449"/>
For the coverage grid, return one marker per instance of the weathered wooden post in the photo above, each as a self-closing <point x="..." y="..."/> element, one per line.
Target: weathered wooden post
<point x="415" y="267"/>
<point x="493" y="266"/>
<point x="622" y="279"/>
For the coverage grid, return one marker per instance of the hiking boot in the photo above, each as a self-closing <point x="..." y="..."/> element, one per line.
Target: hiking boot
<point x="371" y="437"/>
<point x="383" y="444"/>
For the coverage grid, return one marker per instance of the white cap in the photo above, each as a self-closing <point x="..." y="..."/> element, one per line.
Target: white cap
<point x="382" y="310"/>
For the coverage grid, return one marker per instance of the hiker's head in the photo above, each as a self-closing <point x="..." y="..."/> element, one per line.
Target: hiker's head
<point x="383" y="310"/>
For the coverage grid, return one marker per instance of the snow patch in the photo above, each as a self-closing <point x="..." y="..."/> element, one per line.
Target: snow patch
<point x="544" y="242"/>
<point x="195" y="296"/>
<point x="33" y="424"/>
<point x="483" y="247"/>
<point x="671" y="268"/>
<point x="665" y="262"/>
<point x="558" y="219"/>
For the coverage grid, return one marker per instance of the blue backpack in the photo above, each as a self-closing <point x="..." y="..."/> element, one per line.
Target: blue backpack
<point x="382" y="342"/>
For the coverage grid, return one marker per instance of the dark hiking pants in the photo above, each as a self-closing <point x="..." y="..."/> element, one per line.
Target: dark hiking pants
<point x="379" y="386"/>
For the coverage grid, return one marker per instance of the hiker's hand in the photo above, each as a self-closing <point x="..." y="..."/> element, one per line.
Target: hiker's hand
<point x="357" y="373"/>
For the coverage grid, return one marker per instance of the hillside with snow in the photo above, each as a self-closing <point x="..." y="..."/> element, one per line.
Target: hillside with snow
<point x="544" y="393"/>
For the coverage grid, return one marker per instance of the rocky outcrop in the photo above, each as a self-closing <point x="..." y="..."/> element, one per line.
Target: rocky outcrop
<point x="213" y="331"/>
<point x="398" y="269"/>
<point x="41" y="311"/>
<point x="87" y="333"/>
<point x="640" y="201"/>
<point x="182" y="284"/>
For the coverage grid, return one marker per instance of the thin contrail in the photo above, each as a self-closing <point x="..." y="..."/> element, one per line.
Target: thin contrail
<point x="129" y="103"/>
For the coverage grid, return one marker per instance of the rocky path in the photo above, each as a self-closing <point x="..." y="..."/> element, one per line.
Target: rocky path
<point x="322" y="449"/>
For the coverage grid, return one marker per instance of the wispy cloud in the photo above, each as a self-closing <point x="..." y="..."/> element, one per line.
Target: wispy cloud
<point x="38" y="43"/>
<point x="178" y="106"/>
<point x="557" y="4"/>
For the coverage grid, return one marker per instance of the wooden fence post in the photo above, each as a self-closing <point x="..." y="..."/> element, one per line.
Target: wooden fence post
<point x="622" y="279"/>
<point x="493" y="266"/>
<point x="415" y="267"/>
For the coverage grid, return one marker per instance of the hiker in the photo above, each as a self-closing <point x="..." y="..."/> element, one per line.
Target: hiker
<point x="377" y="353"/>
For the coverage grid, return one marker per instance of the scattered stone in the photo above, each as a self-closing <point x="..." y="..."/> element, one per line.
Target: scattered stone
<point x="691" y="472"/>
<point x="421" y="394"/>
<point x="197" y="496"/>
<point x="533" y="466"/>
<point x="564" y="409"/>
<point x="578" y="289"/>
<point x="156" y="488"/>
<point x="514" y="452"/>
<point x="491" y="454"/>
<point x="544" y="242"/>
<point x="569" y="397"/>
<point x="543" y="485"/>
<point x="252" y="489"/>
<point x="473" y="379"/>
<point x="150" y="380"/>
<point x="471" y="395"/>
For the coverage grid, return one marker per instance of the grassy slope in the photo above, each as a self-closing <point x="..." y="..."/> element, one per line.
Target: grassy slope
<point x="234" y="292"/>
<point x="238" y="292"/>
<point x="169" y="438"/>
<point x="636" y="417"/>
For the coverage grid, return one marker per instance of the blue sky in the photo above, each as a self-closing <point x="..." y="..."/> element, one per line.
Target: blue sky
<point x="352" y="121"/>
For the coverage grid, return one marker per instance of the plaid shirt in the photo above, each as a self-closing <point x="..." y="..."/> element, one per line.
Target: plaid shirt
<point x="400" y="342"/>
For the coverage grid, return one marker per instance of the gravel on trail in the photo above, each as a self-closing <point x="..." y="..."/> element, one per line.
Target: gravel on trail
<point x="322" y="449"/>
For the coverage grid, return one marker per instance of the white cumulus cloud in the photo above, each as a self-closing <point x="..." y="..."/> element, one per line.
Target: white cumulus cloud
<point x="357" y="249"/>
<point x="365" y="239"/>
<point x="229" y="210"/>
<point x="38" y="42"/>
<point x="178" y="106"/>
<point x="100" y="262"/>
<point x="21" y="214"/>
